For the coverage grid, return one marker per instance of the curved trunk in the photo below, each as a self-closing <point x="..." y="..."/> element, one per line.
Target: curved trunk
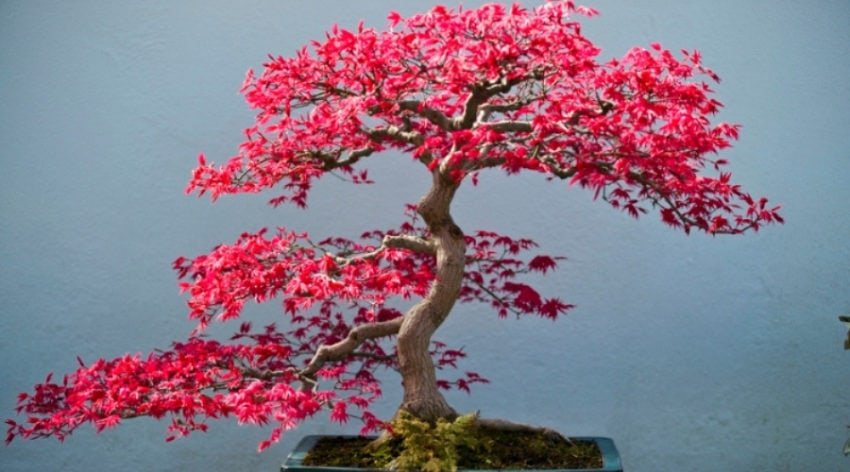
<point x="421" y="396"/>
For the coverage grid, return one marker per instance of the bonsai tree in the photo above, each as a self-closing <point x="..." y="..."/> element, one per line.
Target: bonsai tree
<point x="459" y="92"/>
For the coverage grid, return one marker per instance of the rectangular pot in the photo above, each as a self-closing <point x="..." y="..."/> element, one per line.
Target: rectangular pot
<point x="294" y="462"/>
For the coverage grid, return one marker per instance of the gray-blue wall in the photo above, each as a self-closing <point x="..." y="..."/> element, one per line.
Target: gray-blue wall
<point x="694" y="353"/>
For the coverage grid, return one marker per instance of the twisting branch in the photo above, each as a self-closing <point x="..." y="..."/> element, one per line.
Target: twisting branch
<point x="509" y="106"/>
<point x="480" y="94"/>
<point x="331" y="162"/>
<point x="508" y="126"/>
<point x="402" y="241"/>
<point x="556" y="169"/>
<point x="412" y="243"/>
<point x="394" y="132"/>
<point x="260" y="374"/>
<point x="431" y="114"/>
<point x="342" y="349"/>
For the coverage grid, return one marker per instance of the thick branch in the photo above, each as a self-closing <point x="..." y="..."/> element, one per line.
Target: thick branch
<point x="509" y="106"/>
<point x="394" y="132"/>
<point x="556" y="170"/>
<point x="403" y="241"/>
<point x="331" y="162"/>
<point x="342" y="349"/>
<point x="431" y="114"/>
<point x="508" y="126"/>
<point x="261" y="374"/>
<point x="409" y="242"/>
<point x="480" y="94"/>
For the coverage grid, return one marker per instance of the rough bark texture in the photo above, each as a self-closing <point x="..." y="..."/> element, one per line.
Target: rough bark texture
<point x="421" y="396"/>
<point x="345" y="347"/>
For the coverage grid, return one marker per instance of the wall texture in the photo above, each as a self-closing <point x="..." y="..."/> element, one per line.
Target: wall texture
<point x="694" y="353"/>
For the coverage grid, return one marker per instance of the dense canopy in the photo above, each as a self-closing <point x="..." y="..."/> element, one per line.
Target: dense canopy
<point x="459" y="91"/>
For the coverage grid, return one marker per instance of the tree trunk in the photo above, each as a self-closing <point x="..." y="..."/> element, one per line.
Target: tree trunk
<point x="421" y="396"/>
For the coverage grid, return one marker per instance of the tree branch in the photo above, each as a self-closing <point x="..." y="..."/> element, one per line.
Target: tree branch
<point x="394" y="132"/>
<point x="557" y="170"/>
<point x="260" y="374"/>
<point x="401" y="241"/>
<point x="480" y="94"/>
<point x="331" y="162"/>
<point x="509" y="106"/>
<point x="342" y="349"/>
<point x="497" y="298"/>
<point x="412" y="243"/>
<point x="431" y="114"/>
<point x="508" y="126"/>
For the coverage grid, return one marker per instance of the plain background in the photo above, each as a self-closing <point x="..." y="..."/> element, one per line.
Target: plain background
<point x="694" y="353"/>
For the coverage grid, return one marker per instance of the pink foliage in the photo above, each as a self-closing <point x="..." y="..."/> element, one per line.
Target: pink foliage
<point x="462" y="90"/>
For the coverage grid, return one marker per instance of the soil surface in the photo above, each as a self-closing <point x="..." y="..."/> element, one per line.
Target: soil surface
<point x="504" y="450"/>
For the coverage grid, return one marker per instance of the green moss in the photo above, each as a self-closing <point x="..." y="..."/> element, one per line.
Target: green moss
<point x="449" y="446"/>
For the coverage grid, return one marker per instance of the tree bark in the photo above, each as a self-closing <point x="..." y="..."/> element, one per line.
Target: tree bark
<point x="421" y="395"/>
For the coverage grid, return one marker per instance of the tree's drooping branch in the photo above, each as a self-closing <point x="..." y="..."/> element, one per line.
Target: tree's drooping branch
<point x="332" y="162"/>
<point x="404" y="241"/>
<point x="344" y="348"/>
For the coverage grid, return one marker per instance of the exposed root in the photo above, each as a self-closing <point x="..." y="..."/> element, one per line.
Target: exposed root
<point x="505" y="425"/>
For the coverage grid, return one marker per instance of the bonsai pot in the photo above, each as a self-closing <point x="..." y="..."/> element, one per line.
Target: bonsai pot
<point x="295" y="460"/>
